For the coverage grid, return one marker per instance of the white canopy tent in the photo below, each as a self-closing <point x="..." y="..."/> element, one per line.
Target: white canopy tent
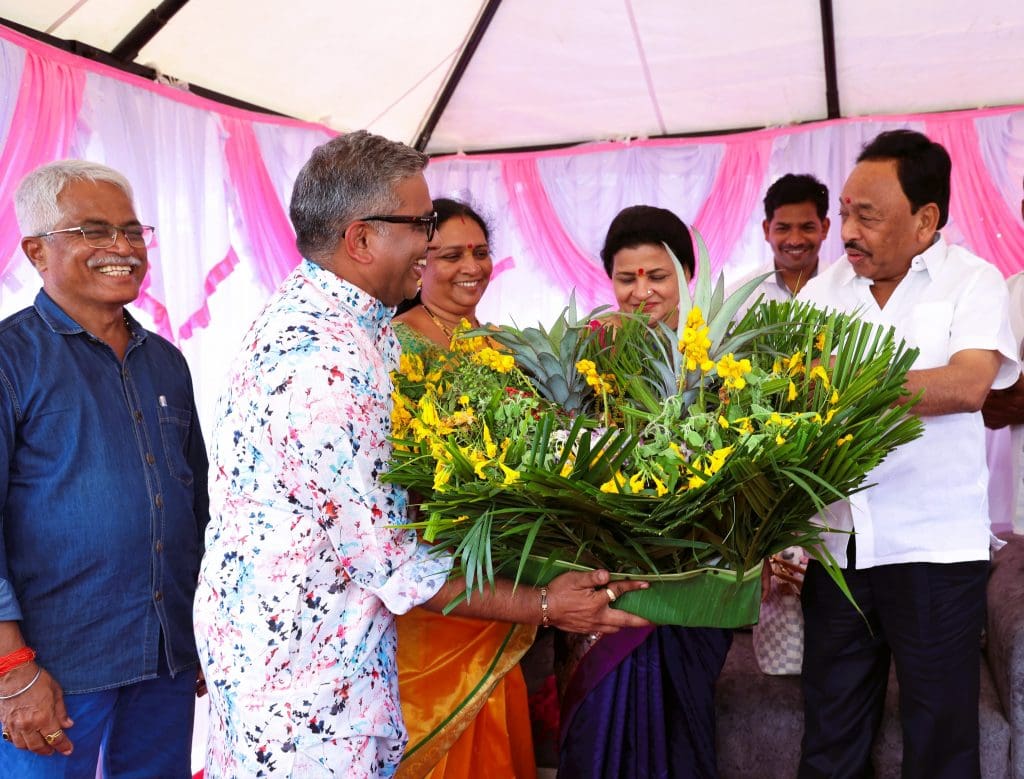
<point x="472" y="75"/>
<point x="468" y="75"/>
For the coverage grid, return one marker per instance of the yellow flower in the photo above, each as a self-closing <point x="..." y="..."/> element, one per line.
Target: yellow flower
<point x="695" y="481"/>
<point x="717" y="459"/>
<point x="795" y="364"/>
<point x="462" y="418"/>
<point x="586" y="367"/>
<point x="476" y="459"/>
<point x="835" y="397"/>
<point x="733" y="371"/>
<point x="495" y="360"/>
<point x="613" y="484"/>
<point x="428" y="412"/>
<point x="636" y="483"/>
<point x="489" y="446"/>
<point x="819" y="341"/>
<point x="845" y="439"/>
<point x="411" y="366"/>
<point x="817" y="372"/>
<point x="659" y="486"/>
<point x="792" y="395"/>
<point x="566" y="470"/>
<point x="511" y="476"/>
<point x="442" y="475"/>
<point x="723" y="422"/>
<point x="463" y="400"/>
<point x="744" y="425"/>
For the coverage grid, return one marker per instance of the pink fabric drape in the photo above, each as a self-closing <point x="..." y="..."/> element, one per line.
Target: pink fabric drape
<point x="43" y="127"/>
<point x="739" y="183"/>
<point x="990" y="228"/>
<point x="263" y="220"/>
<point x="542" y="232"/>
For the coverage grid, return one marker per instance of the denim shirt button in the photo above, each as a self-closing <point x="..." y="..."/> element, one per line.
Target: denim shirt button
<point x="159" y="546"/>
<point x="150" y="458"/>
<point x="159" y="501"/>
<point x="138" y="416"/>
<point x="158" y="596"/>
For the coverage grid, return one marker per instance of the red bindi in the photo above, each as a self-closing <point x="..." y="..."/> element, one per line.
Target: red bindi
<point x="848" y="201"/>
<point x="639" y="271"/>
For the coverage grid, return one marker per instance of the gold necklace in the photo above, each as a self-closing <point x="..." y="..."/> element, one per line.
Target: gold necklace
<point x="441" y="325"/>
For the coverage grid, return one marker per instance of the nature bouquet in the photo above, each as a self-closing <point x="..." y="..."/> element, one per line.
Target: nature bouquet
<point x="682" y="456"/>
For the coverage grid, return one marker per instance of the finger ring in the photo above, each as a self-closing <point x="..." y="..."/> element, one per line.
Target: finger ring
<point x="6" y="735"/>
<point x="611" y="594"/>
<point x="54" y="736"/>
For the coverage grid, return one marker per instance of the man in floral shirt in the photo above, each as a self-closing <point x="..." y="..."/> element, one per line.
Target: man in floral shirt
<point x="305" y="565"/>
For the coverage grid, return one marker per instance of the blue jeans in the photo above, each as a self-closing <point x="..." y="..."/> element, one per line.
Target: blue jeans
<point x="140" y="730"/>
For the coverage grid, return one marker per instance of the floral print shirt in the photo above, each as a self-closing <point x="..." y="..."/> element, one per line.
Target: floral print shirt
<point x="304" y="566"/>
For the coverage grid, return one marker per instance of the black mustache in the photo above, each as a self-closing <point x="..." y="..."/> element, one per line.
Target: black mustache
<point x="856" y="247"/>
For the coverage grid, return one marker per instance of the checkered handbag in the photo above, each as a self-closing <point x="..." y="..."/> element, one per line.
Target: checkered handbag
<point x="779" y="634"/>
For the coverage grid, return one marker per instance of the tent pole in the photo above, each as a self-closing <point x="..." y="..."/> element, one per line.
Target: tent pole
<point x="146" y="29"/>
<point x="828" y="40"/>
<point x="477" y="34"/>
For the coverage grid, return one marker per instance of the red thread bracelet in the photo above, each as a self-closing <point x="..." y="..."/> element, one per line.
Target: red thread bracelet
<point x="16" y="659"/>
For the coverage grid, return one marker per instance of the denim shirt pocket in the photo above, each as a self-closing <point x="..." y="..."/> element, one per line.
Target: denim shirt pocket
<point x="175" y="424"/>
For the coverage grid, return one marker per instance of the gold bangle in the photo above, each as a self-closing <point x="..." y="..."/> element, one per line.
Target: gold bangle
<point x="545" y="618"/>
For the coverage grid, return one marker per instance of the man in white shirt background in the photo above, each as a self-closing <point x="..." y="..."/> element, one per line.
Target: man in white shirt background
<point x="1004" y="416"/>
<point x="918" y="562"/>
<point x="795" y="225"/>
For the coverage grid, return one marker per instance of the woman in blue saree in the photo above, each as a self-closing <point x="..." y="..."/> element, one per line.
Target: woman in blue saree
<point x="640" y="703"/>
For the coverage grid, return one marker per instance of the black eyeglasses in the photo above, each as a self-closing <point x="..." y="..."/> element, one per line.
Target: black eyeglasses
<point x="429" y="223"/>
<point x="100" y="236"/>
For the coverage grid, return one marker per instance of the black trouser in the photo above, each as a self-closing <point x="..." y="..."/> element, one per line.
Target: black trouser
<point x="929" y="616"/>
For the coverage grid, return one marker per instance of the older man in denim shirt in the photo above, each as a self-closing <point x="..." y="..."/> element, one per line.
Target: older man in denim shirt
<point x="103" y="499"/>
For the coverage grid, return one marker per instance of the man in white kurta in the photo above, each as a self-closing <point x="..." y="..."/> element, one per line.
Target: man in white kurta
<point x="917" y="564"/>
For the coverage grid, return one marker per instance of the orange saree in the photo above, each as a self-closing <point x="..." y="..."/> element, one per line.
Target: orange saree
<point x="464" y="697"/>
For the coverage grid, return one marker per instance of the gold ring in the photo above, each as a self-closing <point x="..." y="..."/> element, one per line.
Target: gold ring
<point x="54" y="736"/>
<point x="611" y="594"/>
<point x="6" y="735"/>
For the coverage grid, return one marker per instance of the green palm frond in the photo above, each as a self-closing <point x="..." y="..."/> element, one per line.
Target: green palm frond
<point x="627" y="478"/>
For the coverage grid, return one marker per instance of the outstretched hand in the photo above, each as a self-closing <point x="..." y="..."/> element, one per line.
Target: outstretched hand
<point x="581" y="603"/>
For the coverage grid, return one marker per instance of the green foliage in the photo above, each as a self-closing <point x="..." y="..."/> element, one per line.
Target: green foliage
<point x="651" y="452"/>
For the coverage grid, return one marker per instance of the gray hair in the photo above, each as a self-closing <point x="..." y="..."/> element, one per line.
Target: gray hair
<point x="35" y="201"/>
<point x="347" y="178"/>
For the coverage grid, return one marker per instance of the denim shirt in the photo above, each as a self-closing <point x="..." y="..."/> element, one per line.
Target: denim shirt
<point x="103" y="500"/>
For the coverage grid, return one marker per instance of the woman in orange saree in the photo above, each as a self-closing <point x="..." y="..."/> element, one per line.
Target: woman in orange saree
<point x="463" y="694"/>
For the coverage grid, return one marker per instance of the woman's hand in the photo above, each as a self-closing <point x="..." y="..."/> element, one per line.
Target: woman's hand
<point x="582" y="603"/>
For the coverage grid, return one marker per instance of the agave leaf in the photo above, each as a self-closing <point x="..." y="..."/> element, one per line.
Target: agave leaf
<point x="719" y="318"/>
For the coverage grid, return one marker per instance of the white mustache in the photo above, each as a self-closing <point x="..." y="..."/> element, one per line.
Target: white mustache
<point x="112" y="259"/>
